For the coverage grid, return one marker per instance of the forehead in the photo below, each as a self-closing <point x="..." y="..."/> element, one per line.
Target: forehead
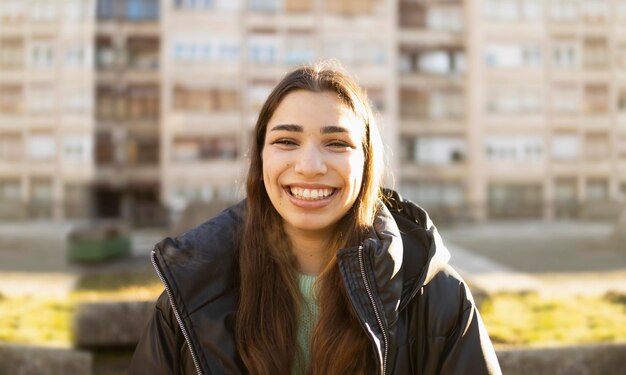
<point x="313" y="110"/>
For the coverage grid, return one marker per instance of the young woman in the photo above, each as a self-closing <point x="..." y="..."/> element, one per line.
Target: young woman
<point x="319" y="270"/>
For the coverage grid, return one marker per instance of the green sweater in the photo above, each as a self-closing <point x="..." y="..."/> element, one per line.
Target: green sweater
<point x="308" y="315"/>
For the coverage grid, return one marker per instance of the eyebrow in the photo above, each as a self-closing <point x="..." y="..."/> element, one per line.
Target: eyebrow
<point x="299" y="129"/>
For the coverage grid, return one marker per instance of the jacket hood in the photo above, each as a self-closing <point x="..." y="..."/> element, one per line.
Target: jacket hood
<point x="424" y="255"/>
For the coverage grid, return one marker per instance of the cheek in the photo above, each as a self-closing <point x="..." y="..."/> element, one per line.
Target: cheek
<point x="355" y="170"/>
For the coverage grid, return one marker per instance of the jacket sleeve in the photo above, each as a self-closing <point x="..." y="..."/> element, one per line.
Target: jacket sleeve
<point x="159" y="348"/>
<point x="469" y="348"/>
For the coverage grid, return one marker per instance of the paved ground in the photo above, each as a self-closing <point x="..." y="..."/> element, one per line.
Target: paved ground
<point x="549" y="257"/>
<point x="552" y="258"/>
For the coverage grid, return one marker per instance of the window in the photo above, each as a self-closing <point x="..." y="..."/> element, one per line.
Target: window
<point x="596" y="53"/>
<point x="264" y="5"/>
<point x="204" y="149"/>
<point x="105" y="148"/>
<point x="565" y="10"/>
<point x="263" y="48"/>
<point x="205" y="99"/>
<point x="566" y="197"/>
<point x="435" y="104"/>
<point x="143" y="151"/>
<point x="41" y="191"/>
<point x="501" y="55"/>
<point x="10" y="99"/>
<point x="140" y="10"/>
<point x="515" y="100"/>
<point x="42" y="54"/>
<point x="10" y="146"/>
<point x="77" y="148"/>
<point x="596" y="11"/>
<point x="513" y="10"/>
<point x="183" y="195"/>
<point x="10" y="190"/>
<point x="77" y="10"/>
<point x="190" y="49"/>
<point x="433" y="150"/>
<point x="434" y="194"/>
<point x="597" y="146"/>
<point x="142" y="102"/>
<point x="12" y="12"/>
<point x="77" y="99"/>
<point x="597" y="190"/>
<point x="566" y="99"/>
<point x="11" y="53"/>
<point x="411" y="14"/>
<point x="299" y="48"/>
<point x="106" y="54"/>
<point x="42" y="99"/>
<point x="143" y="53"/>
<point x="77" y="56"/>
<point x="356" y="52"/>
<point x="565" y="54"/>
<point x="514" y="200"/>
<point x="445" y="19"/>
<point x="596" y="99"/>
<point x="44" y="10"/>
<point x="565" y="147"/>
<point x="565" y="190"/>
<point x="227" y="5"/>
<point x="514" y="149"/>
<point x="105" y="9"/>
<point x="432" y="61"/>
<point x="41" y="147"/>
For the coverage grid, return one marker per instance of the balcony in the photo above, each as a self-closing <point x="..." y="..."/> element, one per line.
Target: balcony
<point x="431" y="38"/>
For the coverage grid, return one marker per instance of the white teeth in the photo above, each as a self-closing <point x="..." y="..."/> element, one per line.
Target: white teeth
<point x="310" y="194"/>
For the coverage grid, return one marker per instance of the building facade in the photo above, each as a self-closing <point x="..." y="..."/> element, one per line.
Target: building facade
<point x="46" y="108"/>
<point x="488" y="108"/>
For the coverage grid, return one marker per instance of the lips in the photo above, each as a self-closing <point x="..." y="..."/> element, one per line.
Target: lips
<point x="310" y="196"/>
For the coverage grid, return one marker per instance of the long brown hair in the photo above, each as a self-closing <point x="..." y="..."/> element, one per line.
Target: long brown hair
<point x="266" y="321"/>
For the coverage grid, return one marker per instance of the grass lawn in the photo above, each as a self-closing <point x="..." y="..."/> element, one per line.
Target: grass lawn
<point x="533" y="320"/>
<point x="48" y="322"/>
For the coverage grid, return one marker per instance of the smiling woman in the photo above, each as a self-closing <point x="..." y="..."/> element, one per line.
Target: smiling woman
<point x="319" y="270"/>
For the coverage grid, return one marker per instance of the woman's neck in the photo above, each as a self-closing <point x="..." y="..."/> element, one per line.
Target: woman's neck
<point x="309" y="248"/>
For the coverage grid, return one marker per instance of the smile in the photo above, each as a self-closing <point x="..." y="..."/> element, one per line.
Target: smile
<point x="311" y="194"/>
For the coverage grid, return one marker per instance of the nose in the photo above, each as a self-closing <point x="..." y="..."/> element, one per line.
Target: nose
<point x="310" y="162"/>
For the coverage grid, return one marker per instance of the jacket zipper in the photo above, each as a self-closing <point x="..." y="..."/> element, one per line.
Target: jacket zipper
<point x="376" y="312"/>
<point x="176" y="314"/>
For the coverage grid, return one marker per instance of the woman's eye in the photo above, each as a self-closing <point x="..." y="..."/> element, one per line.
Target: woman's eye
<point x="284" y="142"/>
<point x="339" y="145"/>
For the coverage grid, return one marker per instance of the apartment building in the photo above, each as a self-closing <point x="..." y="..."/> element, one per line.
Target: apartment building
<point x="515" y="108"/>
<point x="220" y="59"/>
<point x="488" y="108"/>
<point x="46" y="108"/>
<point x="127" y="112"/>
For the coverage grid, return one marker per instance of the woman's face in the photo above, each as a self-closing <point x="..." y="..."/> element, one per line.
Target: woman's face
<point x="313" y="160"/>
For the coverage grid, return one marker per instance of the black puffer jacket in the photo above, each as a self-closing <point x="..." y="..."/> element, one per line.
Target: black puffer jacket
<point x="417" y="310"/>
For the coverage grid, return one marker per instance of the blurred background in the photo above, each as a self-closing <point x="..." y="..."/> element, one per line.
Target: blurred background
<point x="506" y="119"/>
<point x="130" y="109"/>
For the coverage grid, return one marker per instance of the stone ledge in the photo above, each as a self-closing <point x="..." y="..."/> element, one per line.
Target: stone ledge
<point x="111" y="324"/>
<point x="32" y="360"/>
<point x="570" y="360"/>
